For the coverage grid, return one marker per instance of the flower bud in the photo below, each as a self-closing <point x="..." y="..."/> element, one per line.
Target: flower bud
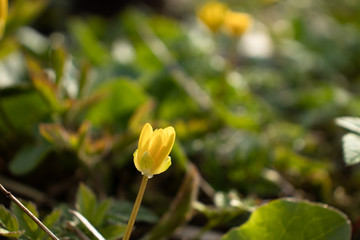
<point x="236" y="23"/>
<point x="3" y="15"/>
<point x="152" y="156"/>
<point x="212" y="15"/>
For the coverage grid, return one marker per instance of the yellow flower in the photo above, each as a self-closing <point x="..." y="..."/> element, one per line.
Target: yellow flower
<point x="3" y="15"/>
<point x="236" y="23"/>
<point x="152" y="156"/>
<point x="212" y="15"/>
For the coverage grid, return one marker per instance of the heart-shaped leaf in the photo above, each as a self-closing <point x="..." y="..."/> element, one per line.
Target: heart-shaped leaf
<point x="288" y="219"/>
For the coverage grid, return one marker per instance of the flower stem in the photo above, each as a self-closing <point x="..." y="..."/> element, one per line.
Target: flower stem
<point x="32" y="216"/>
<point x="135" y="208"/>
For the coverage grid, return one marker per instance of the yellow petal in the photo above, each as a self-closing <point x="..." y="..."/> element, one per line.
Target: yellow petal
<point x="146" y="165"/>
<point x="156" y="143"/>
<point x="136" y="160"/>
<point x="168" y="143"/>
<point x="145" y="134"/>
<point x="165" y="165"/>
<point x="144" y="139"/>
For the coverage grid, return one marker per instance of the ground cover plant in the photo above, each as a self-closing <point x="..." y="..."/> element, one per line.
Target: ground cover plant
<point x="262" y="96"/>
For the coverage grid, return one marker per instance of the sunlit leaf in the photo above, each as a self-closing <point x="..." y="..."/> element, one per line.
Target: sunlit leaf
<point x="293" y="220"/>
<point x="349" y="123"/>
<point x="351" y="146"/>
<point x="33" y="41"/>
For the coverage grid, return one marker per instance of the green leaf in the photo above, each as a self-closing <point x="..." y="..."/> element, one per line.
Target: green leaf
<point x="42" y="83"/>
<point x="7" y="46"/>
<point x="28" y="158"/>
<point x="32" y="230"/>
<point x="121" y="98"/>
<point x="25" y="222"/>
<point x="101" y="211"/>
<point x="86" y="202"/>
<point x="232" y="119"/>
<point x="15" y="107"/>
<point x="58" y="60"/>
<point x="97" y="215"/>
<point x="23" y="12"/>
<point x="51" y="219"/>
<point x="88" y="42"/>
<point x="10" y="224"/>
<point x="351" y="146"/>
<point x="83" y="77"/>
<point x="349" y="123"/>
<point x="55" y="134"/>
<point x="113" y="232"/>
<point x="288" y="219"/>
<point x="8" y="220"/>
<point x="14" y="234"/>
<point x="120" y="212"/>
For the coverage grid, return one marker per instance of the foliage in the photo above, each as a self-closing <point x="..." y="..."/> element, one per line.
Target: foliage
<point x="253" y="114"/>
<point x="107" y="217"/>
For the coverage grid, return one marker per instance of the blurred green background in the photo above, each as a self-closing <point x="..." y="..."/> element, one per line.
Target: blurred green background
<point x="254" y="114"/>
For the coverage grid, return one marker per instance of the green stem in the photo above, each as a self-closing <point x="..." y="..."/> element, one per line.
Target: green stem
<point x="136" y="208"/>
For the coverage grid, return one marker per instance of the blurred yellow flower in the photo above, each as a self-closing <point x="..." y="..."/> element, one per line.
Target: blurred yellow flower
<point x="152" y="156"/>
<point x="3" y="15"/>
<point x="236" y="23"/>
<point x="212" y="15"/>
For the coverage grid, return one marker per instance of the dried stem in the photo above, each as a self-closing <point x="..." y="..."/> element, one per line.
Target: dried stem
<point x="30" y="214"/>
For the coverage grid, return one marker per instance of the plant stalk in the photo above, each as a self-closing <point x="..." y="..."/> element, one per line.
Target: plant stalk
<point x="30" y="214"/>
<point x="135" y="208"/>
